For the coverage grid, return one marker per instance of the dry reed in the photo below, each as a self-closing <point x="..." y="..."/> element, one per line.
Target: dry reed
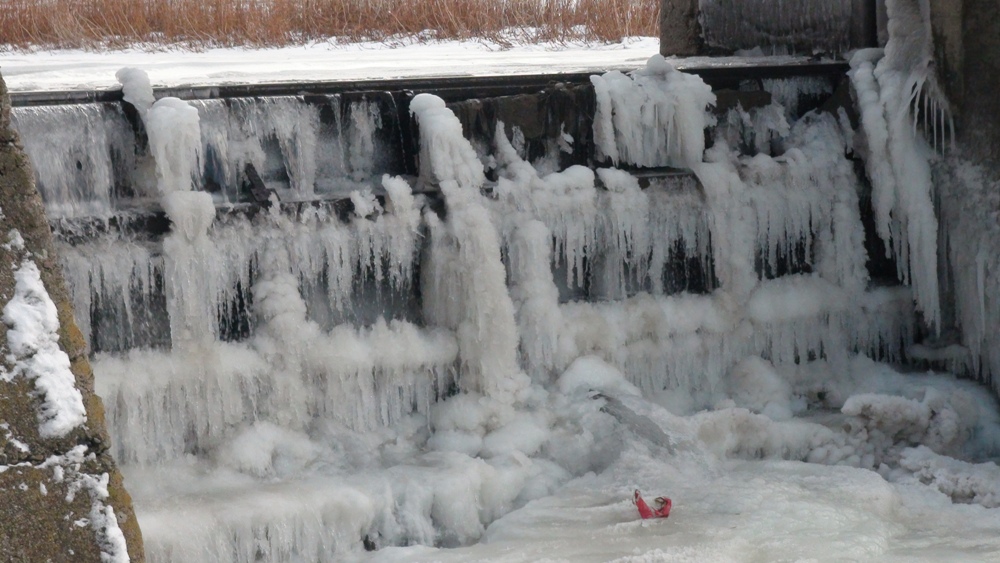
<point x="198" y="24"/>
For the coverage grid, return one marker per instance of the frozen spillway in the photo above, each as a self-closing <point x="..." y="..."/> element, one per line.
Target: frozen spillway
<point x="79" y="155"/>
<point x="96" y="161"/>
<point x="324" y="354"/>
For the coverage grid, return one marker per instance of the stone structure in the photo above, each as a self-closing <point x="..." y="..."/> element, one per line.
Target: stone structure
<point x="55" y="492"/>
<point x="967" y="55"/>
<point x="979" y="99"/>
<point x="966" y="47"/>
<point x="720" y="27"/>
<point x="680" y="33"/>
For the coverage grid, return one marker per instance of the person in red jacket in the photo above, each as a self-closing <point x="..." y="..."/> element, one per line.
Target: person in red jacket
<point x="662" y="509"/>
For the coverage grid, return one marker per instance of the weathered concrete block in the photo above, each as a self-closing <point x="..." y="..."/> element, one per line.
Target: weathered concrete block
<point x="37" y="513"/>
<point x="799" y="26"/>
<point x="979" y="105"/>
<point x="680" y="33"/>
<point x="39" y="523"/>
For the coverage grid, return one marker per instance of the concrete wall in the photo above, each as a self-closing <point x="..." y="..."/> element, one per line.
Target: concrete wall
<point x="797" y="26"/>
<point x="679" y="29"/>
<point x="979" y="98"/>
<point x="48" y="497"/>
<point x="967" y="54"/>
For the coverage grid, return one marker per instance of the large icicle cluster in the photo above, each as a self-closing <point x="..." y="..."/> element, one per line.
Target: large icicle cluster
<point x="896" y="89"/>
<point x="969" y="203"/>
<point x="799" y="209"/>
<point x="655" y="117"/>
<point x="464" y="280"/>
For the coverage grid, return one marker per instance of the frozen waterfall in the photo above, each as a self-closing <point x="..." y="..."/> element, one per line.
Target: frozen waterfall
<point x="456" y="342"/>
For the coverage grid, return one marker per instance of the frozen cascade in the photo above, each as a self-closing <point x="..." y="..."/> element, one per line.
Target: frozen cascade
<point x="656" y="117"/>
<point x="189" y="280"/>
<point x="767" y="207"/>
<point x="465" y="284"/>
<point x="306" y="399"/>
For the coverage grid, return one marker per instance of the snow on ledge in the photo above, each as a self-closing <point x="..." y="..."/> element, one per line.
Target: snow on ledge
<point x="33" y="340"/>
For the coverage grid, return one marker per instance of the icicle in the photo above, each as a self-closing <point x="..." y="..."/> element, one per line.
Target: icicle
<point x="901" y="176"/>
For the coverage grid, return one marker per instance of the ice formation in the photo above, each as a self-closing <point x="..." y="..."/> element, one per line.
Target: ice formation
<point x="465" y="280"/>
<point x="71" y="152"/>
<point x="896" y="89"/>
<point x="136" y="89"/>
<point x="305" y="383"/>
<point x="656" y="117"/>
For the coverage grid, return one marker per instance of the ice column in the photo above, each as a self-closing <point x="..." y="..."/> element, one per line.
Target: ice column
<point x="537" y="298"/>
<point x="465" y="271"/>
<point x="888" y="86"/>
<point x="190" y="276"/>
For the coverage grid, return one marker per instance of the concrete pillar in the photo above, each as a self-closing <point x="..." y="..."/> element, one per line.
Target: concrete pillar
<point x="979" y="101"/>
<point x="680" y="33"/>
<point x="946" y="29"/>
<point x="54" y="490"/>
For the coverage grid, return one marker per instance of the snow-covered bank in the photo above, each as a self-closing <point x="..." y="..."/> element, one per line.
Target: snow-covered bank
<point x="68" y="70"/>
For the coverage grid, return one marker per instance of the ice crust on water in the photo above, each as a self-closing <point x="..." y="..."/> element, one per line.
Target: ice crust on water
<point x="508" y="403"/>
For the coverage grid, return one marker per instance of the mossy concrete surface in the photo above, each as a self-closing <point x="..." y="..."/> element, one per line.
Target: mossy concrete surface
<point x="37" y="521"/>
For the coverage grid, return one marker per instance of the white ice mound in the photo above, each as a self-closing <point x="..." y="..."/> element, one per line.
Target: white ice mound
<point x="754" y="384"/>
<point x="655" y="117"/>
<point x="445" y="155"/>
<point x="32" y="336"/>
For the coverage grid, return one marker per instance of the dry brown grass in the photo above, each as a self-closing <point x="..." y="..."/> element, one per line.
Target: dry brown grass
<point x="92" y="24"/>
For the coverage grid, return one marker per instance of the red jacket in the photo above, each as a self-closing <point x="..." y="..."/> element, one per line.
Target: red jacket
<point x="646" y="512"/>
